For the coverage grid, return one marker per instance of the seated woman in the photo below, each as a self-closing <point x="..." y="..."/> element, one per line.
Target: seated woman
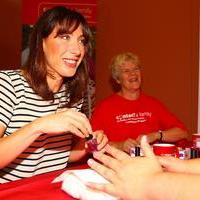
<point x="128" y="114"/>
<point x="40" y="104"/>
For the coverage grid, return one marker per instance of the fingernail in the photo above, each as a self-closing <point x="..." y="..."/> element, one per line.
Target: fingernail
<point x="144" y="138"/>
<point x="90" y="162"/>
<point x="96" y="154"/>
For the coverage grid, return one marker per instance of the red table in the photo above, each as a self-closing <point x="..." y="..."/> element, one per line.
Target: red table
<point x="36" y="187"/>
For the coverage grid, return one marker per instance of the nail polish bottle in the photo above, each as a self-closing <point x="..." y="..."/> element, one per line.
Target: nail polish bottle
<point x="91" y="142"/>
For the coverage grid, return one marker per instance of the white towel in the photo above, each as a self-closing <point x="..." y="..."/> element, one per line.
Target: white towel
<point x="73" y="182"/>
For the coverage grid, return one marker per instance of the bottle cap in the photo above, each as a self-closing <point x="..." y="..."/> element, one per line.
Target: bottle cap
<point x="89" y="137"/>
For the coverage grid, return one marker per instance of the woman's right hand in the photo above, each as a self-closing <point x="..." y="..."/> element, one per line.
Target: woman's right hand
<point x="67" y="120"/>
<point x="128" y="144"/>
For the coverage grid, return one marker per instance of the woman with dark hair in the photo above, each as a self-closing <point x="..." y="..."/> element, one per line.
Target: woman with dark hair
<point x="40" y="103"/>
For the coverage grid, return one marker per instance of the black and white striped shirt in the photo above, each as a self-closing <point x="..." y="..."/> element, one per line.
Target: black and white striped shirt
<point x="20" y="105"/>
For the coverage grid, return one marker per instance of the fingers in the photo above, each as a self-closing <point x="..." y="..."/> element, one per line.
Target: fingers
<point x="115" y="162"/>
<point x="171" y="163"/>
<point x="116" y="153"/>
<point x="128" y="144"/>
<point x="99" y="135"/>
<point x="73" y="129"/>
<point x="65" y="120"/>
<point x="138" y="139"/>
<point x="106" y="172"/>
<point x="146" y="148"/>
<point x="101" y="138"/>
<point x="106" y="188"/>
<point x="78" y="120"/>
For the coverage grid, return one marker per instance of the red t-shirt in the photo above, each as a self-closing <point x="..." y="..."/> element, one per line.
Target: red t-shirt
<point x="120" y="118"/>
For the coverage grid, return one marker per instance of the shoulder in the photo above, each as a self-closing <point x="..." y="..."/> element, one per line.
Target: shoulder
<point x="10" y="72"/>
<point x="13" y="81"/>
<point x="7" y="78"/>
<point x="11" y="75"/>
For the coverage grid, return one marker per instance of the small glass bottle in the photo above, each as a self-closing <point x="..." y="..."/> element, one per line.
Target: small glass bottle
<point x="195" y="149"/>
<point x="91" y="143"/>
<point x="135" y="151"/>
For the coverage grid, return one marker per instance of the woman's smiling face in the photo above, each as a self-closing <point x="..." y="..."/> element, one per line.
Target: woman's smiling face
<point x="129" y="76"/>
<point x="64" y="52"/>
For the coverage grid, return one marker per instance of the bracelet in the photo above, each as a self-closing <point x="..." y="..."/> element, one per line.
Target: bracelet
<point x="161" y="135"/>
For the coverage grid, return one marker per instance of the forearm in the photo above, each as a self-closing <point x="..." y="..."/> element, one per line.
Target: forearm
<point x="13" y="145"/>
<point x="173" y="186"/>
<point x="170" y="135"/>
<point x="174" y="134"/>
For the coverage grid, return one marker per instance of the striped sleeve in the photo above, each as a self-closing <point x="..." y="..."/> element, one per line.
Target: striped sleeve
<point x="7" y="98"/>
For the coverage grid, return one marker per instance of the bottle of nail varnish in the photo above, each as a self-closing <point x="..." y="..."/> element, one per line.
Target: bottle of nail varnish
<point x="92" y="143"/>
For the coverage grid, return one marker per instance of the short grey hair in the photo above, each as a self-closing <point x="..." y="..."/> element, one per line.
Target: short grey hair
<point x="119" y="59"/>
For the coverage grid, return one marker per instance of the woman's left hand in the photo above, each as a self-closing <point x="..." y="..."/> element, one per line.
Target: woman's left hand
<point x="101" y="139"/>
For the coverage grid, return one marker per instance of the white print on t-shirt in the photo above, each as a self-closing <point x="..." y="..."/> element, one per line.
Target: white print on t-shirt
<point x="139" y="117"/>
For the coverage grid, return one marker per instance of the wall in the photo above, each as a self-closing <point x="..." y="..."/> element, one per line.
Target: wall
<point x="165" y="36"/>
<point x="163" y="33"/>
<point x="10" y="34"/>
<point x="199" y="87"/>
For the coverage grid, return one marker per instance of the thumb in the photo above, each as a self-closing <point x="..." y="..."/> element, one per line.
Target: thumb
<point x="146" y="148"/>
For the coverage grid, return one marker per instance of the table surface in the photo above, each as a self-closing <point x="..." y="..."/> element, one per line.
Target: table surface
<point x="36" y="187"/>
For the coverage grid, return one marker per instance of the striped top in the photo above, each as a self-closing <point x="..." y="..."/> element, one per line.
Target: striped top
<point x="19" y="105"/>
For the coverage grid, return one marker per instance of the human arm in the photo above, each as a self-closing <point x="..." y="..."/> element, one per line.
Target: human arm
<point x="170" y="135"/>
<point x="130" y="178"/>
<point x="66" y="121"/>
<point x="125" y="145"/>
<point x="173" y="186"/>
<point x="11" y="146"/>
<point x="172" y="128"/>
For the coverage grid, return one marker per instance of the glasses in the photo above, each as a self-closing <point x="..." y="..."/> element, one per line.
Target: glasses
<point x="132" y="70"/>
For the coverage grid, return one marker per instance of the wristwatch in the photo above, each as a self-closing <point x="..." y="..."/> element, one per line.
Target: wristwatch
<point x="161" y="135"/>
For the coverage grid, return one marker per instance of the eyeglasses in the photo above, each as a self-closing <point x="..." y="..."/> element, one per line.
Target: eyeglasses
<point x="132" y="70"/>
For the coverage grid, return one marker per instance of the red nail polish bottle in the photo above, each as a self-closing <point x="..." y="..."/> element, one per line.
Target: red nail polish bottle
<point x="92" y="143"/>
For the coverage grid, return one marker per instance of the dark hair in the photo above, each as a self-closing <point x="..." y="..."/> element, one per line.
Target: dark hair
<point x="36" y="72"/>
